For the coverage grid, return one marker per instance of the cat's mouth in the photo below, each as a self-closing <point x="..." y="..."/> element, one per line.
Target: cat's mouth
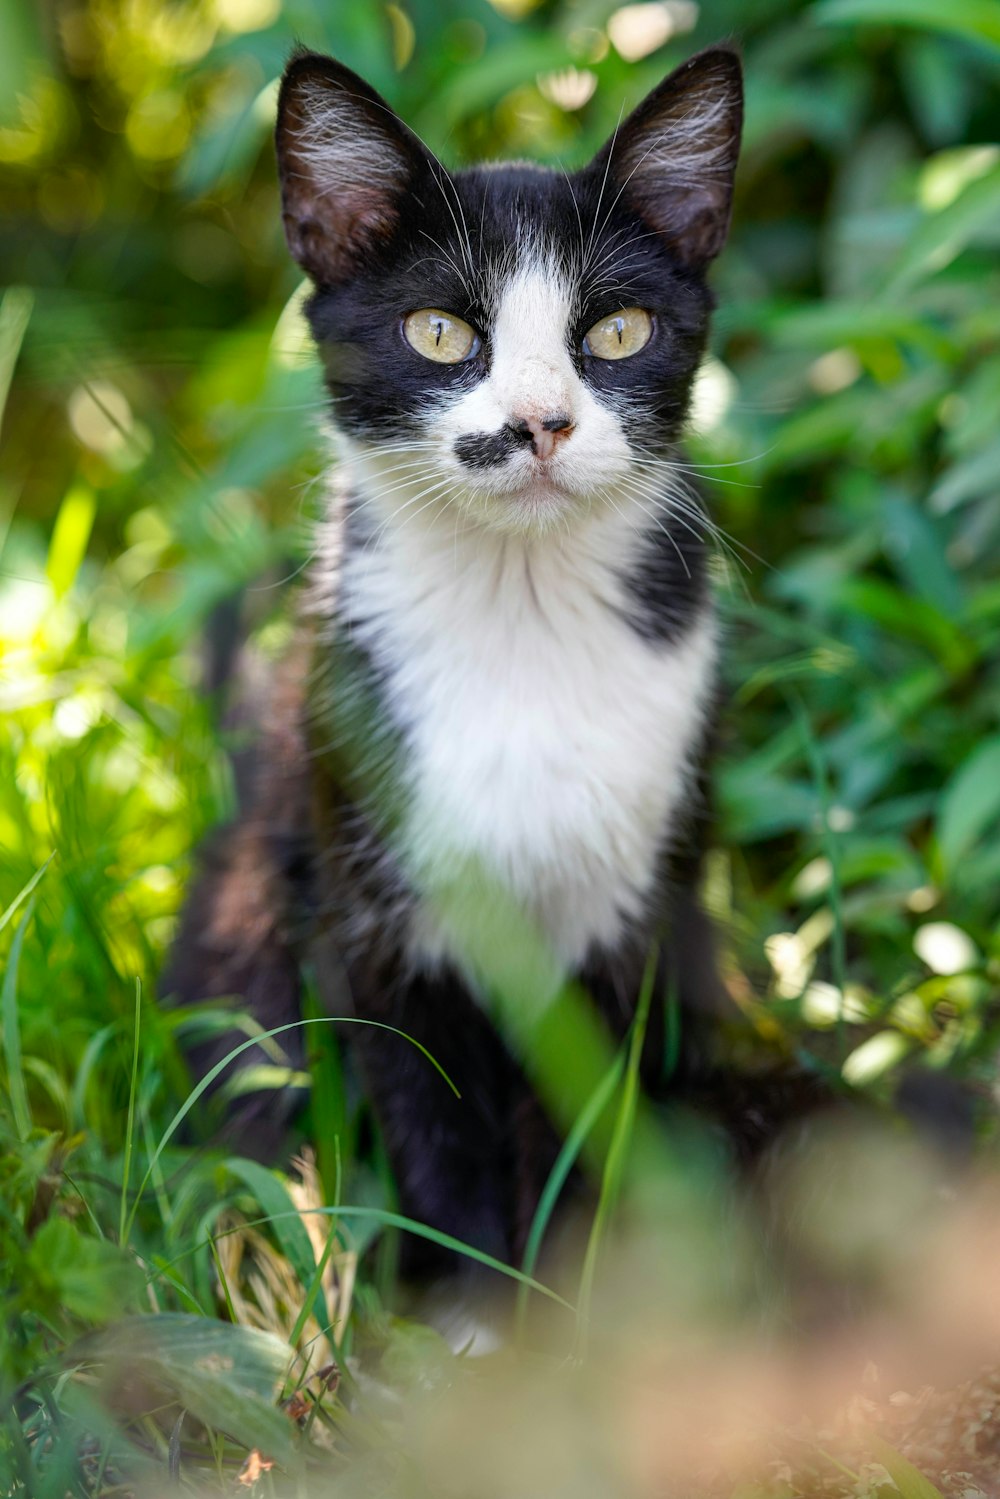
<point x="544" y="483"/>
<point x="534" y="481"/>
<point x="520" y="471"/>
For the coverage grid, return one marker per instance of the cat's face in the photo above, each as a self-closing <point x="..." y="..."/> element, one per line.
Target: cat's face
<point x="515" y="342"/>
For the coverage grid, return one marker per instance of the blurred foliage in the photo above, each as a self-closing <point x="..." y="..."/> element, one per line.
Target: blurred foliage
<point x="160" y="455"/>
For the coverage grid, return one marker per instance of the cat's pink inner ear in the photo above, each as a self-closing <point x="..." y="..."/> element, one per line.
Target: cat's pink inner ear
<point x="675" y="156"/>
<point x="344" y="163"/>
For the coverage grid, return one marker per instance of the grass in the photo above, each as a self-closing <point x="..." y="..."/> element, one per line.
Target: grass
<point x="159" y="473"/>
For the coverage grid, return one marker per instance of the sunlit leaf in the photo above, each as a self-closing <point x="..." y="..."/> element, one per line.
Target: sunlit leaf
<point x="977" y="19"/>
<point x="969" y="804"/>
<point x="874" y="1057"/>
<point x="910" y="1482"/>
<point x="943" y="235"/>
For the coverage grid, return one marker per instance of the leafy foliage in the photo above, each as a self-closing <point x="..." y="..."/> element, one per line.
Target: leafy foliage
<point x="161" y="455"/>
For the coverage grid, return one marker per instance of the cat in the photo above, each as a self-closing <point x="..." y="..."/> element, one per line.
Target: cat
<point x="482" y="771"/>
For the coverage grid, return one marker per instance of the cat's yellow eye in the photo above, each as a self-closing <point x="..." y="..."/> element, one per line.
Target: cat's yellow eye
<point x="619" y="336"/>
<point x="440" y="336"/>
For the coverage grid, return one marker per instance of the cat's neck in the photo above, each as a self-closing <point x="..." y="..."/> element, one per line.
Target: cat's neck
<point x="637" y="549"/>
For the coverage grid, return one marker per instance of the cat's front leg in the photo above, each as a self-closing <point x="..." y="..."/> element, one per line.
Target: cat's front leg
<point x="451" y="1148"/>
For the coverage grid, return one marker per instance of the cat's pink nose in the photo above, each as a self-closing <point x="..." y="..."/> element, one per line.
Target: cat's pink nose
<point x="543" y="432"/>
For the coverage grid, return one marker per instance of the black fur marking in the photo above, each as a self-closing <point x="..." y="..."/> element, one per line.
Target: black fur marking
<point x="486" y="449"/>
<point x="667" y="585"/>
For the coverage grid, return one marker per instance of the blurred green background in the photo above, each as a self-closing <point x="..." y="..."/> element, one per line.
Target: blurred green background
<point x="161" y="446"/>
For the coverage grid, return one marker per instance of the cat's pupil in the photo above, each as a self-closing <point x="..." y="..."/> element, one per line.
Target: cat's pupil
<point x="439" y="325"/>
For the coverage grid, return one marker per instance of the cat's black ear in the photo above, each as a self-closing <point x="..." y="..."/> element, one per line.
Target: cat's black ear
<point x="673" y="159"/>
<point x="345" y="162"/>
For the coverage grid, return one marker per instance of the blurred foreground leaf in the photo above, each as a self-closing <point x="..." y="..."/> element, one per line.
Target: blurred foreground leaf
<point x="910" y="1482"/>
<point x="226" y="1377"/>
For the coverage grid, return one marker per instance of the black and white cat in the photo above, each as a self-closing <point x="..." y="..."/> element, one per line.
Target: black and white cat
<point x="483" y="766"/>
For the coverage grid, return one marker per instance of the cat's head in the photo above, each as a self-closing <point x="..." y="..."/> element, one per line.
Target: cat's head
<point x="516" y="341"/>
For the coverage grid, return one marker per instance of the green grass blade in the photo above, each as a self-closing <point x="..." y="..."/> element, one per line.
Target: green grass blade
<point x="566" y="1159"/>
<point x="84" y="1071"/>
<point x="389" y="1219"/>
<point x="614" y="1166"/>
<point x="328" y="1109"/>
<point x="12" y="1031"/>
<point x="279" y="1030"/>
<point x="970" y="802"/>
<point x="22" y="895"/>
<point x="15" y="314"/>
<point x="422" y="1230"/>
<point x="123" y="1218"/>
<point x="313" y="1291"/>
<point x="223" y="1282"/>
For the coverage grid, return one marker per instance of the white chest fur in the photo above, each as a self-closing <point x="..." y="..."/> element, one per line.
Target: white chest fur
<point x="547" y="743"/>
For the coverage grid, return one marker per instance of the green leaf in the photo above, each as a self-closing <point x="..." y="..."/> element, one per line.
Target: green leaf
<point x="613" y="1175"/>
<point x="971" y="801"/>
<point x="22" y="54"/>
<point x="15" y="312"/>
<point x="130" y="1120"/>
<point x="907" y="617"/>
<point x="910" y="1482"/>
<point x="827" y="325"/>
<point x="918" y="548"/>
<point x="974" y="476"/>
<point x="979" y="20"/>
<point x="943" y="235"/>
<point x="90" y="1278"/>
<point x="228" y="1377"/>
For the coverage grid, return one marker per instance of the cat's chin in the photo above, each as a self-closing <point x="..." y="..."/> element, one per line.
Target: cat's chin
<point x="540" y="506"/>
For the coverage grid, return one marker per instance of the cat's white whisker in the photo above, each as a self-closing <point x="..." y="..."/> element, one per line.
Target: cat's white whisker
<point x="610" y="149"/>
<point x="667" y="491"/>
<point x="440" y="176"/>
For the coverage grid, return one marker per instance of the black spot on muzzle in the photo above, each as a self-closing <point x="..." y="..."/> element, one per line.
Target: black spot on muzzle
<point x="484" y="449"/>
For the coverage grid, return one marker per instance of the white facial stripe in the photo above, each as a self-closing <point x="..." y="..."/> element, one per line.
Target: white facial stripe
<point x="532" y="374"/>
